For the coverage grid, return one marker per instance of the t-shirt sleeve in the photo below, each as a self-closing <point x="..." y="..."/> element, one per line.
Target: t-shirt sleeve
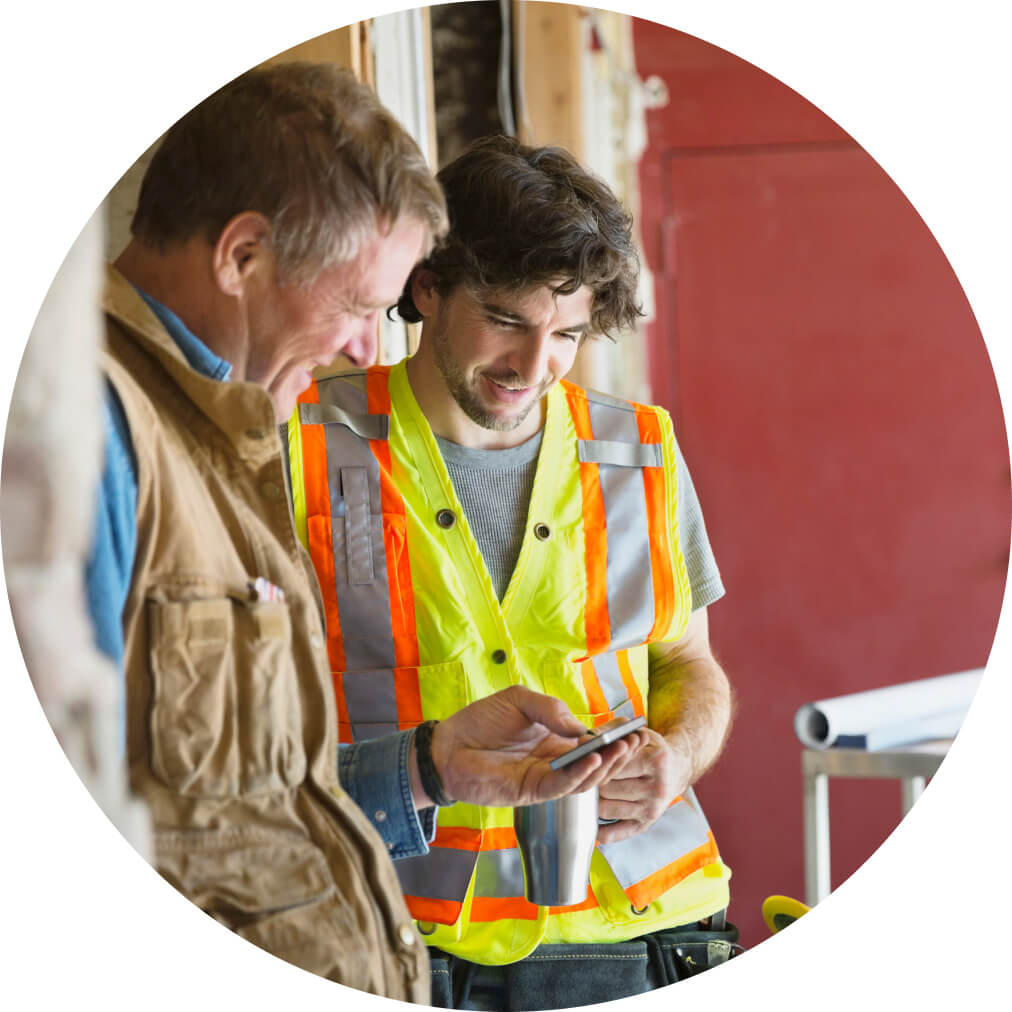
<point x="704" y="576"/>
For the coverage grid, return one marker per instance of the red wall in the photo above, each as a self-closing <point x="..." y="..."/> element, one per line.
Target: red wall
<point x="836" y="405"/>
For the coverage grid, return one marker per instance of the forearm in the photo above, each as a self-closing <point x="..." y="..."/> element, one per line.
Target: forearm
<point x="690" y="705"/>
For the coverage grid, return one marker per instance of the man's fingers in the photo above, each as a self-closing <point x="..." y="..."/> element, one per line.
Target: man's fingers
<point x="629" y="789"/>
<point x="618" y="831"/>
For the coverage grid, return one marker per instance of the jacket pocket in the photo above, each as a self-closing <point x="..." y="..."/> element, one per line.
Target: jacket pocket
<point x="274" y="889"/>
<point x="225" y="714"/>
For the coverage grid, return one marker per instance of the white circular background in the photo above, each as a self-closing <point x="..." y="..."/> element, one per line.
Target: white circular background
<point x="87" y="87"/>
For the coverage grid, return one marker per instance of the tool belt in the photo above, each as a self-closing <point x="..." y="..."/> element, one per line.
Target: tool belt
<point x="564" y="976"/>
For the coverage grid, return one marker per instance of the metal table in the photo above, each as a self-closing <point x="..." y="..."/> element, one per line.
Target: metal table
<point x="913" y="765"/>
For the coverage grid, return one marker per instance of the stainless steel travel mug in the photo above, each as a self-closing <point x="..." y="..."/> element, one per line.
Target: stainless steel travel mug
<point x="556" y="841"/>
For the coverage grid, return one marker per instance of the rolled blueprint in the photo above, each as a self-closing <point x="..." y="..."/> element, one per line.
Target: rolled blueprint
<point x="886" y="718"/>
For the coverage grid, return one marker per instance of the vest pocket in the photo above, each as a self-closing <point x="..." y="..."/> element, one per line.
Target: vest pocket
<point x="225" y="713"/>
<point x="382" y="701"/>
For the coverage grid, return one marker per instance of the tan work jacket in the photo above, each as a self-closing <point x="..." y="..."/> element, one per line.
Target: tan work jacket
<point x="231" y="724"/>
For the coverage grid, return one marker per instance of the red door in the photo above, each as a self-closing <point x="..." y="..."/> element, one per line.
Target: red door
<point x="837" y="408"/>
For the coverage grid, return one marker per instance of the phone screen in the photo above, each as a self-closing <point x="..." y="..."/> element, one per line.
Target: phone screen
<point x="597" y="739"/>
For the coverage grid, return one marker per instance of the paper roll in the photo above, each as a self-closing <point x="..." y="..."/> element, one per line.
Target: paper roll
<point x="885" y="718"/>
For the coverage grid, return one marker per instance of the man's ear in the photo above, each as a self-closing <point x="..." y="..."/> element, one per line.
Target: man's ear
<point x="242" y="249"/>
<point x="423" y="292"/>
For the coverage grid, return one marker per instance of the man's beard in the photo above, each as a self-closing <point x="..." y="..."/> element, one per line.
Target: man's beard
<point x="467" y="399"/>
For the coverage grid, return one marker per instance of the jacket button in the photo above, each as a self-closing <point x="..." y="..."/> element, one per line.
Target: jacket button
<point x="407" y="934"/>
<point x="270" y="490"/>
<point x="542" y="532"/>
<point x="255" y="433"/>
<point x="445" y="519"/>
<point x="499" y="656"/>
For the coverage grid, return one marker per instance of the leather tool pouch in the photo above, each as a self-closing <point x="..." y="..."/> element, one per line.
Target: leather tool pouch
<point x="684" y="952"/>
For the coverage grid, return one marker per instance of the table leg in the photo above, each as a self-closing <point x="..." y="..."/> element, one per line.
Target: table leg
<point x="817" y="882"/>
<point x="912" y="788"/>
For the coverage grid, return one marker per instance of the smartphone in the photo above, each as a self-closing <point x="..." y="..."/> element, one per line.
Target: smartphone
<point x="597" y="739"/>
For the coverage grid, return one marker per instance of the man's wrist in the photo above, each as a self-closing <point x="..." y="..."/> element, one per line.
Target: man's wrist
<point x="426" y="782"/>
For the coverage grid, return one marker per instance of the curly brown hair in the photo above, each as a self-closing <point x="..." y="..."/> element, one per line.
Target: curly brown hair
<point x="306" y="145"/>
<point x="522" y="216"/>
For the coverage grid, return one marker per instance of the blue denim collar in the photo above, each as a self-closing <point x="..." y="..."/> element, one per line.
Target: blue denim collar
<point x="195" y="351"/>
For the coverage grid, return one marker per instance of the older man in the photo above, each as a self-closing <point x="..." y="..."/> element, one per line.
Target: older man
<point x="275" y="221"/>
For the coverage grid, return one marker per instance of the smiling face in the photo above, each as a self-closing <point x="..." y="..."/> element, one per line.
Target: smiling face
<point x="485" y="361"/>
<point x="291" y="329"/>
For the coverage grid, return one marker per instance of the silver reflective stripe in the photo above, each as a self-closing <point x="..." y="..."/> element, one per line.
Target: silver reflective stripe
<point x="499" y="873"/>
<point x="630" y="588"/>
<point x="366" y="626"/>
<point x="609" y="677"/>
<point x="682" y="828"/>
<point x="442" y="874"/>
<point x="604" y="451"/>
<point x="366" y="426"/>
<point x="357" y="526"/>
<point x="370" y="697"/>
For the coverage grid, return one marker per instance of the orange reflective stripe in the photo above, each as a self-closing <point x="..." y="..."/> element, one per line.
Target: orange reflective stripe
<point x="646" y="891"/>
<point x="635" y="696"/>
<point x="494" y="908"/>
<point x="458" y="837"/>
<point x="595" y="534"/>
<point x="498" y="838"/>
<point x="401" y="593"/>
<point x="321" y="549"/>
<point x="661" y="562"/>
<point x="436" y="911"/>
<point x="314" y="460"/>
<point x="377" y="385"/>
<point x="408" y="694"/>
<point x="595" y="697"/>
<point x="319" y="536"/>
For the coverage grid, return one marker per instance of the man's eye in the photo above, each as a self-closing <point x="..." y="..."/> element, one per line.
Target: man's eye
<point x="575" y="336"/>
<point x="500" y="322"/>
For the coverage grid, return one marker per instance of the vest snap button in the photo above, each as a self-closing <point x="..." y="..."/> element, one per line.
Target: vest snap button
<point x="639" y="910"/>
<point x="499" y="656"/>
<point x="542" y="532"/>
<point x="445" y="519"/>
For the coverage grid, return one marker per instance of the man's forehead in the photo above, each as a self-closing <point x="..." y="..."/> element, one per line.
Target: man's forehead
<point x="519" y="301"/>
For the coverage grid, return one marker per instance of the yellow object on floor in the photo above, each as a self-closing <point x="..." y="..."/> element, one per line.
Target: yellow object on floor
<point x="779" y="911"/>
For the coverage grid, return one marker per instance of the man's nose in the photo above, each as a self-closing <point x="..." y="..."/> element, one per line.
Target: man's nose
<point x="363" y="345"/>
<point x="531" y="360"/>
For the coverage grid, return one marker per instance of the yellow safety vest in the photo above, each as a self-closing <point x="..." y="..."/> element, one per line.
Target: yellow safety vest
<point x="415" y="632"/>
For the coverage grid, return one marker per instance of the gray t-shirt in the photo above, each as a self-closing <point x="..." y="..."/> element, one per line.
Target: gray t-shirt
<point x="494" y="488"/>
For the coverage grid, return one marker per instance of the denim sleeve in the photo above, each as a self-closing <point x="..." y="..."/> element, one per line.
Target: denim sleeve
<point x="114" y="539"/>
<point x="375" y="775"/>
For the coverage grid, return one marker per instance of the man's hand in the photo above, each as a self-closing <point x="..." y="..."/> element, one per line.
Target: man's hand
<point x="638" y="792"/>
<point x="497" y="752"/>
<point x="690" y="712"/>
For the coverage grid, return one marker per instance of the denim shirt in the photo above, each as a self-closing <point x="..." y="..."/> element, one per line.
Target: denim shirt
<point x="374" y="773"/>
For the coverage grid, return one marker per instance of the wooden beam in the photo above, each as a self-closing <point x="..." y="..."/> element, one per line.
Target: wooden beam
<point x="548" y="39"/>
